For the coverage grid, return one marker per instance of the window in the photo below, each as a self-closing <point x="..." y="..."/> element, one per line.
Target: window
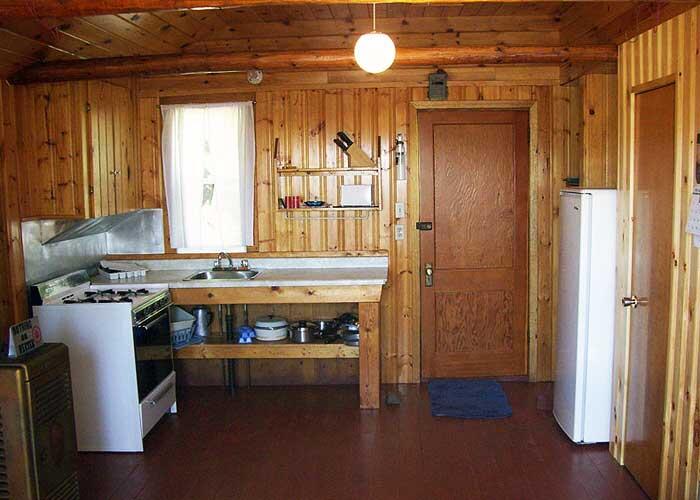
<point x="209" y="167"/>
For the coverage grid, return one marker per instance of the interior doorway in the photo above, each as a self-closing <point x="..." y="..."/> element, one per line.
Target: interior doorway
<point x="474" y="261"/>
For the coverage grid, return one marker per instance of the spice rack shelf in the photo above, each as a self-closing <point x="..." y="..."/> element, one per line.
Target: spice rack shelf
<point x="330" y="209"/>
<point x="285" y="174"/>
<point x="295" y="171"/>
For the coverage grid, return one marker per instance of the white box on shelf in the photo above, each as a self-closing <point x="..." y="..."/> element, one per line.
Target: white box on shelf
<point x="356" y="195"/>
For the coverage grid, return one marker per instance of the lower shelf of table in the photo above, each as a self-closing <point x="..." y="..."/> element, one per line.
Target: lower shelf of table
<point x="218" y="348"/>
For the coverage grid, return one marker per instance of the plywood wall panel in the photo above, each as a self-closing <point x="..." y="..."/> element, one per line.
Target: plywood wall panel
<point x="668" y="51"/>
<point x="47" y="134"/>
<point x="599" y="148"/>
<point x="13" y="306"/>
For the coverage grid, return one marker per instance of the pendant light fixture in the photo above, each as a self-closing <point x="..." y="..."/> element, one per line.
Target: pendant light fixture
<point x="374" y="51"/>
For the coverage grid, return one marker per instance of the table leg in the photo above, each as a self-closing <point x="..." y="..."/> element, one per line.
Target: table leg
<point x="369" y="355"/>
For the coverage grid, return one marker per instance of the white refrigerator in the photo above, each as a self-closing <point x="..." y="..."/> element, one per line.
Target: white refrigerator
<point x="583" y="378"/>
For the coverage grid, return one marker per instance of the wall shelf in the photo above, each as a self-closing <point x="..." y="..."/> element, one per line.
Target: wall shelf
<point x="330" y="209"/>
<point x="296" y="171"/>
<point x="219" y="348"/>
<point x="309" y="183"/>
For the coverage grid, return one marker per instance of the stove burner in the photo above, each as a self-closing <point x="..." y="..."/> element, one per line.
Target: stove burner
<point x="131" y="292"/>
<point x="109" y="296"/>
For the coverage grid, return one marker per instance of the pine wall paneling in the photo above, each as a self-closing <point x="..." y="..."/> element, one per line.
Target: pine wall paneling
<point x="599" y="117"/>
<point x="77" y="145"/>
<point x="670" y="50"/>
<point x="306" y="119"/>
<point x="13" y="306"/>
<point x="115" y="183"/>
<point x="50" y="136"/>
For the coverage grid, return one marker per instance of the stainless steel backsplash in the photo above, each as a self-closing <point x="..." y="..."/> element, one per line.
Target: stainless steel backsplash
<point x="141" y="233"/>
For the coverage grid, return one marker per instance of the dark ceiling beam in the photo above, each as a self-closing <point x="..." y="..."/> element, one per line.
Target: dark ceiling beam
<point x="334" y="59"/>
<point x="76" y="8"/>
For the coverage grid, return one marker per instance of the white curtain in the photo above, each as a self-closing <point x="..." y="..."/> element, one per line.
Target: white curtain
<point x="209" y="168"/>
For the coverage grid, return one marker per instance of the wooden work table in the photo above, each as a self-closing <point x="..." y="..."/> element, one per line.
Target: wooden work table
<point x="366" y="296"/>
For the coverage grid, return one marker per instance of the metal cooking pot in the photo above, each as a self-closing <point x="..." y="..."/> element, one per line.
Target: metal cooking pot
<point x="303" y="332"/>
<point x="326" y="327"/>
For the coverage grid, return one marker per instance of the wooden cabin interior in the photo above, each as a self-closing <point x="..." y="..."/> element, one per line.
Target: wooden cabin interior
<point x="479" y="316"/>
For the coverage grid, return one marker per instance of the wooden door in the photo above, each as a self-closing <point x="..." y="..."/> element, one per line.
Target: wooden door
<point x="474" y="189"/>
<point x="652" y="262"/>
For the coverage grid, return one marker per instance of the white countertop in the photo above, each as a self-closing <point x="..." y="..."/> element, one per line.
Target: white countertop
<point x="331" y="271"/>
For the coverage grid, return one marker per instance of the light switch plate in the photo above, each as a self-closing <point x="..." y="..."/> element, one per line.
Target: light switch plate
<point x="400" y="210"/>
<point x="400" y="234"/>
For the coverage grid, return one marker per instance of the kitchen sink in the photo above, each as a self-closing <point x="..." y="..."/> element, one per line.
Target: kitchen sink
<point x="223" y="275"/>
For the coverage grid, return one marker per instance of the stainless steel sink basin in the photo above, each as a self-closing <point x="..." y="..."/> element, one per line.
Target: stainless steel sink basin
<point x="223" y="275"/>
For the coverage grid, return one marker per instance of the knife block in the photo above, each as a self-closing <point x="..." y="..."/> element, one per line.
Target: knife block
<point x="358" y="158"/>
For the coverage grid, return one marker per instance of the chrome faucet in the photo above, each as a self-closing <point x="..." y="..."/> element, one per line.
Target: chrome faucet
<point x="218" y="266"/>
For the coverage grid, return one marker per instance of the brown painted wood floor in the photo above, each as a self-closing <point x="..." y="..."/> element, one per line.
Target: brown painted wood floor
<point x="314" y="443"/>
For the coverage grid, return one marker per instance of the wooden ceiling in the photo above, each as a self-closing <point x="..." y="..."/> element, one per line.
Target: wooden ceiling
<point x="33" y="40"/>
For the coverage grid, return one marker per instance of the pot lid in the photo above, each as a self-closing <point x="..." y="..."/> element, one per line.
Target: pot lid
<point x="270" y="322"/>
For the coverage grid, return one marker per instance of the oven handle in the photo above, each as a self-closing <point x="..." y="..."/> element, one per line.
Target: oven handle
<point x="158" y="396"/>
<point x="157" y="315"/>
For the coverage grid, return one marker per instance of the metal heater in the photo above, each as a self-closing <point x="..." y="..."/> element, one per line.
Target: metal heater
<point x="38" y="453"/>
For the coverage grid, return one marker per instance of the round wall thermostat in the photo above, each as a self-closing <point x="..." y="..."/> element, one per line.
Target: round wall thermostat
<point x="255" y="76"/>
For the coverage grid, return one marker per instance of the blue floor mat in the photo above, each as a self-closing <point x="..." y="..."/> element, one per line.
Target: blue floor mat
<point x="462" y="398"/>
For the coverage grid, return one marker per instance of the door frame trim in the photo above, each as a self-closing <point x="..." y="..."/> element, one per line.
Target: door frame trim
<point x="535" y="182"/>
<point x="625" y="234"/>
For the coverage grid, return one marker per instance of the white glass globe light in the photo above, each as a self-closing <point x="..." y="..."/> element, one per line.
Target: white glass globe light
<point x="375" y="52"/>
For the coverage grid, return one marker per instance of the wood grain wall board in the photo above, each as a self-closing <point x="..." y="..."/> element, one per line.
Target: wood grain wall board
<point x="131" y="33"/>
<point x="115" y="186"/>
<point x="270" y="11"/>
<point x="159" y="28"/>
<point x="670" y="50"/>
<point x="582" y="20"/>
<point x="50" y="34"/>
<point x="48" y="143"/>
<point x="30" y="49"/>
<point x="96" y="36"/>
<point x="409" y="40"/>
<point x="286" y="28"/>
<point x="13" y="306"/>
<point x="599" y="165"/>
<point x="339" y="80"/>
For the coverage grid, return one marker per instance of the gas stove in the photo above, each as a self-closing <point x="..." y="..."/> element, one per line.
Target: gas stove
<point x="76" y="289"/>
<point x="121" y="357"/>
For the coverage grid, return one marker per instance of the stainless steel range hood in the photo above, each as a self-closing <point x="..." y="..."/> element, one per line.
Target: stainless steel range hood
<point x="58" y="246"/>
<point x="71" y="229"/>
